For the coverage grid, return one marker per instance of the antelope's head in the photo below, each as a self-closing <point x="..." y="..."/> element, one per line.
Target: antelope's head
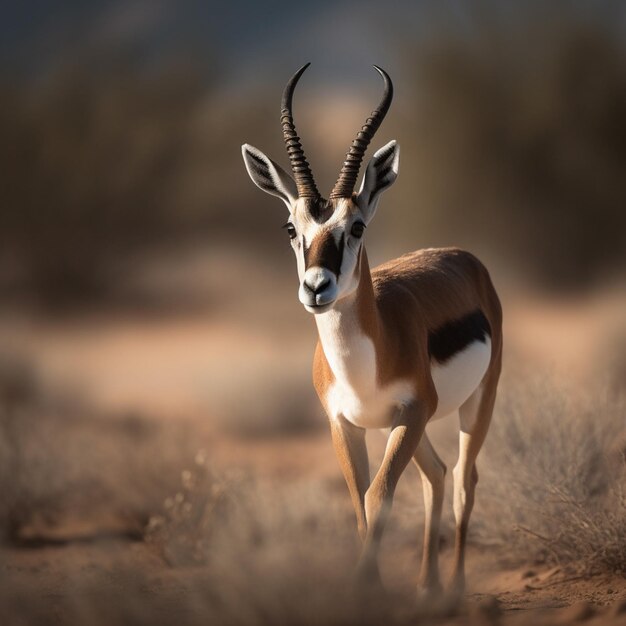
<point x="327" y="235"/>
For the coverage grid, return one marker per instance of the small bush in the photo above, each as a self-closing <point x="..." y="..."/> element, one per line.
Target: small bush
<point x="218" y="516"/>
<point x="554" y="475"/>
<point x="269" y="555"/>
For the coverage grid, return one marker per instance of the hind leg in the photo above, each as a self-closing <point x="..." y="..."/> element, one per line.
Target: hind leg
<point x="475" y="417"/>
<point x="433" y="473"/>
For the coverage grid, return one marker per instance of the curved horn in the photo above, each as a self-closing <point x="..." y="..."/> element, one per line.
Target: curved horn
<point x="299" y="165"/>
<point x="350" y="171"/>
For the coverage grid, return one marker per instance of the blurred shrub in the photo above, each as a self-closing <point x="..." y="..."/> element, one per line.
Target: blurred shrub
<point x="519" y="129"/>
<point x="100" y="165"/>
<point x="91" y="162"/>
<point x="512" y="120"/>
<point x="553" y="477"/>
<point x="288" y="551"/>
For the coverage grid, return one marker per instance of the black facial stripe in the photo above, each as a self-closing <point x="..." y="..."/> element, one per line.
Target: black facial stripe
<point x="340" y="255"/>
<point x="325" y="252"/>
<point x="456" y="335"/>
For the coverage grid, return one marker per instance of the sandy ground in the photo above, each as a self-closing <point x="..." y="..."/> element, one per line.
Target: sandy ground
<point x="46" y="577"/>
<point x="191" y="369"/>
<point x="96" y="561"/>
<point x="519" y="596"/>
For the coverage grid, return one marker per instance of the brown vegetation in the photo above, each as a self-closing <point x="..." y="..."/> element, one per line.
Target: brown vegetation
<point x="234" y="538"/>
<point x="513" y="153"/>
<point x="520" y="140"/>
<point x="555" y="474"/>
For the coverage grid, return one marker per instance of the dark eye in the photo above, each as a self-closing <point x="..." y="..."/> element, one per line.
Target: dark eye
<point x="291" y="230"/>
<point x="357" y="229"/>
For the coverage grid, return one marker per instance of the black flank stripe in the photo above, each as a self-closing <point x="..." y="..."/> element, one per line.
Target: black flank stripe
<point x="456" y="335"/>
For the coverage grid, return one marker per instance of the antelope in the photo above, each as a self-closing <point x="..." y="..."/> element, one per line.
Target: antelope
<point x="411" y="341"/>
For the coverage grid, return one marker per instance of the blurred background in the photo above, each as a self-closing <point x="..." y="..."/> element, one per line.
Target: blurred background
<point x="148" y="298"/>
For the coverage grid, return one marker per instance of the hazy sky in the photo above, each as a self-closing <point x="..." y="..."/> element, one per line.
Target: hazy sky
<point x="240" y="39"/>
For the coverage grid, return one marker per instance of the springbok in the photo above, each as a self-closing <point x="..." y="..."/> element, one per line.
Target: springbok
<point x="416" y="339"/>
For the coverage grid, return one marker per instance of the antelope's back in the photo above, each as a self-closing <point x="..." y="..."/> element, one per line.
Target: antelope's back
<point x="440" y="284"/>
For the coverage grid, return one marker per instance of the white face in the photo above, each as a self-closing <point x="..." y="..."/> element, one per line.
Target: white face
<point x="327" y="238"/>
<point x="327" y="253"/>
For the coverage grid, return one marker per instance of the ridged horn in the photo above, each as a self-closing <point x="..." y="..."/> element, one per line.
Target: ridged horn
<point x="299" y="165"/>
<point x="350" y="171"/>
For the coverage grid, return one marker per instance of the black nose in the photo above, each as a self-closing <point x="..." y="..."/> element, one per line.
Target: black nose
<point x="319" y="287"/>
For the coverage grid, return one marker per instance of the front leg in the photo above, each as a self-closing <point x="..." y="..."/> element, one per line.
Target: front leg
<point x="404" y="438"/>
<point x="349" y="442"/>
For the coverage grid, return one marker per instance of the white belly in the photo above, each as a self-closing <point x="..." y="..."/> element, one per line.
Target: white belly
<point x="458" y="378"/>
<point x="365" y="404"/>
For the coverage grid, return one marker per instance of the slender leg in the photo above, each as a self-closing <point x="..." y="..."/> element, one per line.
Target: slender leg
<point x="349" y="442"/>
<point x="401" y="446"/>
<point x="475" y="417"/>
<point x="433" y="473"/>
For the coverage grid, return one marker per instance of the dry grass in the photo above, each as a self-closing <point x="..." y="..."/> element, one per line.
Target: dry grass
<point x="232" y="512"/>
<point x="62" y="462"/>
<point x="553" y="477"/>
<point x="551" y="490"/>
<point x="237" y="547"/>
<point x="270" y="554"/>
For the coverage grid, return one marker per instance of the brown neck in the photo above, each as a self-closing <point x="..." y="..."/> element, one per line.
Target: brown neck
<point x="366" y="302"/>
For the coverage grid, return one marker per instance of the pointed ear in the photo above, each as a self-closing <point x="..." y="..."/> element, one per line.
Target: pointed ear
<point x="269" y="176"/>
<point x="381" y="173"/>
